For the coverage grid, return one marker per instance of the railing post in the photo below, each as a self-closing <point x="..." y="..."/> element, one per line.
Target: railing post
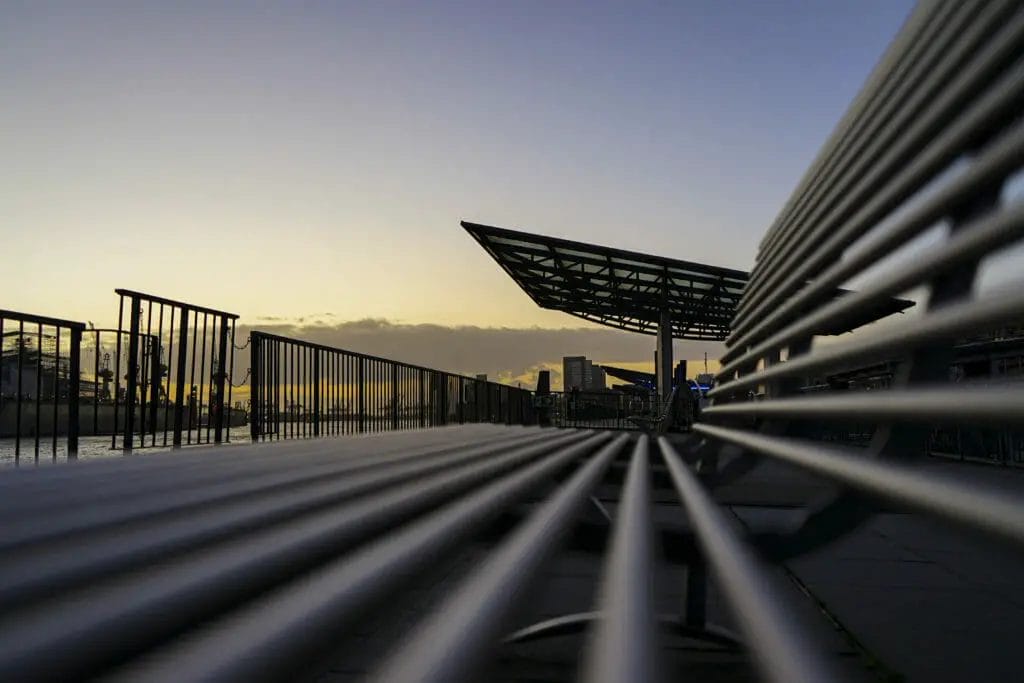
<point x="316" y="392"/>
<point x="1" y="349"/>
<point x="179" y="380"/>
<point x="423" y="398"/>
<point x="73" y="391"/>
<point x="273" y="384"/>
<point x="255" y="388"/>
<point x="222" y="374"/>
<point x="437" y="382"/>
<point x="443" y="391"/>
<point x="394" y="395"/>
<point x="462" y="399"/>
<point x="19" y="392"/>
<point x="154" y="385"/>
<point x="133" y="368"/>
<point x="361" y="393"/>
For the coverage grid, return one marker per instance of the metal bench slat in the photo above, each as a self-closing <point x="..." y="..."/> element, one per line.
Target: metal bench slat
<point x="451" y="641"/>
<point x="154" y="495"/>
<point x="145" y="607"/>
<point x="781" y="648"/>
<point x="1004" y="156"/>
<point x="994" y="231"/>
<point x="907" y="166"/>
<point x="103" y="553"/>
<point x="970" y="507"/>
<point x="624" y="643"/>
<point x="943" y="326"/>
<point x="273" y="636"/>
<point x="911" y="82"/>
<point x="966" y="404"/>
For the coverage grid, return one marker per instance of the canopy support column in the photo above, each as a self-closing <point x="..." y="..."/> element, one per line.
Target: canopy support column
<point x="663" y="357"/>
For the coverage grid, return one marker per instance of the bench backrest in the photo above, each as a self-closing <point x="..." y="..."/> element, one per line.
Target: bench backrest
<point x="907" y="199"/>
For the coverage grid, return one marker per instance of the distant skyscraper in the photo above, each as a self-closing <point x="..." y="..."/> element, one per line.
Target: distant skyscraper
<point x="679" y="376"/>
<point x="573" y="369"/>
<point x="543" y="382"/>
<point x="579" y="372"/>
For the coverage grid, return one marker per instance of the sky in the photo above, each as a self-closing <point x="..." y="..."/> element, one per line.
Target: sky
<point x="311" y="161"/>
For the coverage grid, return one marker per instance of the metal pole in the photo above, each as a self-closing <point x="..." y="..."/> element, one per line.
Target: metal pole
<point x="222" y="356"/>
<point x="179" y="384"/>
<point x="73" y="391"/>
<point x="394" y="395"/>
<point x="663" y="371"/>
<point x="361" y="392"/>
<point x="133" y="369"/>
<point x="154" y="383"/>
<point x="1" y="355"/>
<point x="230" y="369"/>
<point x="275" y="383"/>
<point x="316" y="392"/>
<point x="202" y="384"/>
<point x="117" y="370"/>
<point x="145" y="354"/>
<point x="255" y="388"/>
<point x="17" y="400"/>
<point x="39" y="384"/>
<point x="96" y="387"/>
<point x="56" y="395"/>
<point x="423" y="399"/>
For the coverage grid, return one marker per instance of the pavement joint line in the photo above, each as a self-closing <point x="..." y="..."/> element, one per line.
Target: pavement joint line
<point x="873" y="663"/>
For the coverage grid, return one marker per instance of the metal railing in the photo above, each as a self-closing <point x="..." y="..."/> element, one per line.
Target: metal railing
<point x="40" y="360"/>
<point x="614" y="410"/>
<point x="176" y="359"/>
<point x="997" y="446"/>
<point x="301" y="390"/>
<point x="597" y="409"/>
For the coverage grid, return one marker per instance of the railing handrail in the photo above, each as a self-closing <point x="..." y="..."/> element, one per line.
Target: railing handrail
<point x="40" y="319"/>
<point x="171" y="302"/>
<point x="358" y="354"/>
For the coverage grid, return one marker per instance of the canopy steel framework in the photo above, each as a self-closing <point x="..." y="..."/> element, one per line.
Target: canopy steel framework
<point x="614" y="287"/>
<point x="665" y="297"/>
<point x="633" y="291"/>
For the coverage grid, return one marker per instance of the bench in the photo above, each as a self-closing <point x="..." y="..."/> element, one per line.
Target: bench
<point x="250" y="563"/>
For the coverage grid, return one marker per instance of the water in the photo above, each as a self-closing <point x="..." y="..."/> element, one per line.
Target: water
<point x="91" y="448"/>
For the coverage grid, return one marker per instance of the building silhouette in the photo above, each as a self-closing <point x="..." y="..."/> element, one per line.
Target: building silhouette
<point x="579" y="372"/>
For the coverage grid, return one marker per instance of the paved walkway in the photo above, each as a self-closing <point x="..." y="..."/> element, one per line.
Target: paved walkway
<point x="926" y="602"/>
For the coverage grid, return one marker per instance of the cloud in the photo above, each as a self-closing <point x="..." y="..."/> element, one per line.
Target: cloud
<point x="507" y="354"/>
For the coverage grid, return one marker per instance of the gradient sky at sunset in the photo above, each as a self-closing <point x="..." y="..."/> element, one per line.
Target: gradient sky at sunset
<point x="287" y="160"/>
